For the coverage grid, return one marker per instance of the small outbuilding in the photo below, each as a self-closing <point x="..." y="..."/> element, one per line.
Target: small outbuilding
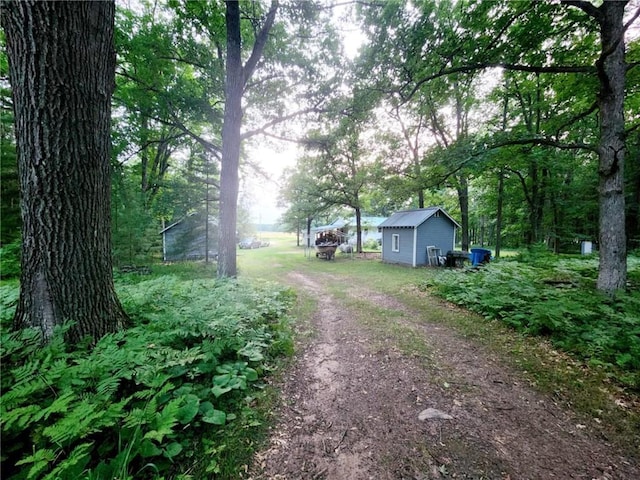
<point x="418" y="237"/>
<point x="189" y="239"/>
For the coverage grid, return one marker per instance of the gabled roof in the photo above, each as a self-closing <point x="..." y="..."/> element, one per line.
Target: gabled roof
<point x="413" y="218"/>
<point x="171" y="226"/>
<point x="212" y="221"/>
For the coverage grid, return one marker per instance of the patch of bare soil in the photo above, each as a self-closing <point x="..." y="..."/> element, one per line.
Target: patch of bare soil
<point x="353" y="409"/>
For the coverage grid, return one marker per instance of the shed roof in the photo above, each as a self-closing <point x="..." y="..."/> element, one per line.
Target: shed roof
<point x="343" y="222"/>
<point x="336" y="225"/>
<point x="413" y="218"/>
<point x="212" y="221"/>
<point x="171" y="226"/>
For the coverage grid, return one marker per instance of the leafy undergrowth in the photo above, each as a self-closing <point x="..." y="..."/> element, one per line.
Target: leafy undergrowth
<point x="175" y="396"/>
<point x="555" y="297"/>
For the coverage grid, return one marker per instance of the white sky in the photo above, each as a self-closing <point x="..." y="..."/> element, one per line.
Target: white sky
<point x="260" y="194"/>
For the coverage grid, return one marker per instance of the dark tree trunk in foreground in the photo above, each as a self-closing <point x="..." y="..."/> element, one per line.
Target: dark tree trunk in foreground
<point x="62" y="66"/>
<point x="358" y="230"/>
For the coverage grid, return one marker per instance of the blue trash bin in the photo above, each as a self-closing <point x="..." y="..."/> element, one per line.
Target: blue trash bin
<point x="479" y="255"/>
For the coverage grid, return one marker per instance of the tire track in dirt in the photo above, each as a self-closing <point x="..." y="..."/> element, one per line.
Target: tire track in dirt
<point x="350" y="409"/>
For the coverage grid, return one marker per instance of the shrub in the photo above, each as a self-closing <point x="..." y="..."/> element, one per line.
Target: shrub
<point x="10" y="260"/>
<point x="371" y="244"/>
<point x="154" y="401"/>
<point x="542" y="294"/>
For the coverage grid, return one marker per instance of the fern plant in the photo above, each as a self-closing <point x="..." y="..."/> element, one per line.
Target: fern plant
<point x="140" y="402"/>
<point x="552" y="296"/>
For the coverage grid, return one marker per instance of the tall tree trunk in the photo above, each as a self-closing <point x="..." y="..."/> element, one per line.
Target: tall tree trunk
<point x="62" y="71"/>
<point x="611" y="66"/>
<point x="206" y="220"/>
<point x="237" y="76"/>
<point x="144" y="157"/>
<point x="463" y="199"/>
<point x="462" y="180"/>
<point x="417" y="172"/>
<point x="229" y="179"/>
<point x="499" y="216"/>
<point x="499" y="212"/>
<point x="538" y="207"/>
<point x="358" y="230"/>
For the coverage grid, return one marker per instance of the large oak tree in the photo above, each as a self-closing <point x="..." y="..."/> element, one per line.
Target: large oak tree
<point x="62" y="65"/>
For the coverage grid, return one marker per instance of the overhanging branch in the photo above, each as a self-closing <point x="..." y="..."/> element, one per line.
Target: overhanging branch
<point x="547" y="142"/>
<point x="507" y="66"/>
<point x="260" y="42"/>
<point x="587" y="7"/>
<point x="578" y="117"/>
<point x="631" y="20"/>
<point x="277" y="121"/>
<point x="632" y="129"/>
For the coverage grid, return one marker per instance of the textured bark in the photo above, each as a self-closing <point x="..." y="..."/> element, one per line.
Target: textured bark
<point x="229" y="180"/>
<point x="62" y="66"/>
<point x="358" y="229"/>
<point x="499" y="213"/>
<point x="611" y="72"/>
<point x="463" y="199"/>
<point x="237" y="76"/>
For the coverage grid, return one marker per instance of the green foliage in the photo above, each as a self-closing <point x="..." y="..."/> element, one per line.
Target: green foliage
<point x="542" y="294"/>
<point x="10" y="191"/>
<point x="10" y="259"/>
<point x="371" y="244"/>
<point x="429" y="56"/>
<point x="149" y="402"/>
<point x="134" y="232"/>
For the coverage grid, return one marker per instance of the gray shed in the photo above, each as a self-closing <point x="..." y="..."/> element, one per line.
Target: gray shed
<point x="187" y="239"/>
<point x="407" y="235"/>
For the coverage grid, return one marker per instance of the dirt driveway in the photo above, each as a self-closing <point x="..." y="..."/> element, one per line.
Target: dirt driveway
<point x="355" y="407"/>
